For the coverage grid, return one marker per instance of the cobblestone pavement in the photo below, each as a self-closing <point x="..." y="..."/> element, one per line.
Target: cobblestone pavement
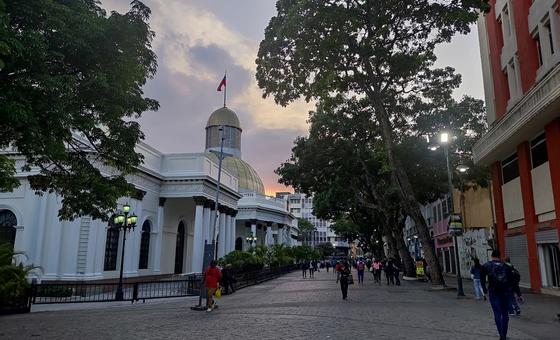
<point x="289" y="308"/>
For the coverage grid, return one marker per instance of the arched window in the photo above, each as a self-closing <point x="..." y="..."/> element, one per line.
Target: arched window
<point x="8" y="221"/>
<point x="239" y="243"/>
<point x="111" y="245"/>
<point x="144" y="245"/>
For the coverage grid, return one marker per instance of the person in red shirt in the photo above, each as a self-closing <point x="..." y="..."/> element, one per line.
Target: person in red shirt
<point x="337" y="269"/>
<point x="212" y="276"/>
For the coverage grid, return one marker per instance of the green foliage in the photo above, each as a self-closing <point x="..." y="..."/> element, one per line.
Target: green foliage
<point x="13" y="278"/>
<point x="375" y="61"/>
<point x="325" y="249"/>
<point x="305" y="253"/>
<point x="242" y="261"/>
<point x="71" y="78"/>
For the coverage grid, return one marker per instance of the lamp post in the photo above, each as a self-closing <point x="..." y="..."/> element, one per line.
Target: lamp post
<point x="126" y="223"/>
<point x="444" y="140"/>
<point x="252" y="240"/>
<point x="216" y="226"/>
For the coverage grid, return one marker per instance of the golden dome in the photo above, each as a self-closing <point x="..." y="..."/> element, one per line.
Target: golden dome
<point x="223" y="116"/>
<point x="249" y="180"/>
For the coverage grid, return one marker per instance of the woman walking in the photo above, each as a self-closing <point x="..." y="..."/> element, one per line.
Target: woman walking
<point x="212" y="276"/>
<point x="344" y="276"/>
<point x="475" y="275"/>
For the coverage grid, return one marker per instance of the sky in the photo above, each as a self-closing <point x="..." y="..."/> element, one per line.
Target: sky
<point x="197" y="40"/>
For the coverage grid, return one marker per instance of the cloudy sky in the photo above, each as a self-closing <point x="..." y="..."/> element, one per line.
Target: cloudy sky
<point x="196" y="40"/>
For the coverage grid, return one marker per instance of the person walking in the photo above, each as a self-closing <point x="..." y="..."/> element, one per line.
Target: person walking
<point x="361" y="266"/>
<point x="475" y="276"/>
<point x="396" y="272"/>
<point x="315" y="267"/>
<point x="212" y="276"/>
<point x="500" y="283"/>
<point x="344" y="276"/>
<point x="377" y="271"/>
<point x="515" y="293"/>
<point x="311" y="269"/>
<point x="228" y="279"/>
<point x="388" y="267"/>
<point x="337" y="269"/>
<point x="304" y="267"/>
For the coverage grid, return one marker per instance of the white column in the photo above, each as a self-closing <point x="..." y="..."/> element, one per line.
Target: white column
<point x="159" y="236"/>
<point x="222" y="233"/>
<point x="269" y="240"/>
<point x="198" y="241"/>
<point x="227" y="238"/>
<point x="207" y="225"/>
<point x="253" y="232"/>
<point x="233" y="234"/>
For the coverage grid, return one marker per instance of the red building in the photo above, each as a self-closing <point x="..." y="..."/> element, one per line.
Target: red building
<point x="520" y="50"/>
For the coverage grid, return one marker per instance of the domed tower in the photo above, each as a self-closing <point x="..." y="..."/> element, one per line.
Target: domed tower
<point x="232" y="132"/>
<point x="249" y="180"/>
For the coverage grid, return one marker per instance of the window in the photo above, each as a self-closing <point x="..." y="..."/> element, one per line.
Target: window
<point x="539" y="153"/>
<point x="539" y="50"/>
<point x="512" y="79"/>
<point x="506" y="25"/>
<point x="550" y="38"/>
<point x="144" y="246"/>
<point x="111" y="246"/>
<point x="434" y="213"/>
<point x="8" y="221"/>
<point x="510" y="168"/>
<point x="444" y="207"/>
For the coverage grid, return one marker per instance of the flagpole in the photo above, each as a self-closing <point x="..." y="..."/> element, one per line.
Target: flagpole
<point x="225" y="89"/>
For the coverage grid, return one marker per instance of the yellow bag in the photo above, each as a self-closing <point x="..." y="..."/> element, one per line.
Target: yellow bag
<point x="218" y="293"/>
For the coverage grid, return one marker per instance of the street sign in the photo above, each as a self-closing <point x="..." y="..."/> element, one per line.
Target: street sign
<point x="455" y="224"/>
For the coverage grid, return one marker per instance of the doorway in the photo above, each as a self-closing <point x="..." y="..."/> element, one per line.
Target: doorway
<point x="180" y="248"/>
<point x="549" y="254"/>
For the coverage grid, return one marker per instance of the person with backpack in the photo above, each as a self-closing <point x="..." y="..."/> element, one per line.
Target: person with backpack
<point x="500" y="283"/>
<point x="304" y="268"/>
<point x="344" y="279"/>
<point x="360" y="267"/>
<point x="515" y="293"/>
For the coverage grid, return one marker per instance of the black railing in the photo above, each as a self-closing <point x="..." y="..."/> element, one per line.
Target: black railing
<point x="102" y="292"/>
<point x="77" y="292"/>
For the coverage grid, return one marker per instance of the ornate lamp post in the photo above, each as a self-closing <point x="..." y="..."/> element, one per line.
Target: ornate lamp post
<point x="125" y="222"/>
<point x="445" y="140"/>
<point x="252" y="240"/>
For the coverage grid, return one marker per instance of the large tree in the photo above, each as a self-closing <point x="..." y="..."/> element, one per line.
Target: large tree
<point x="71" y="79"/>
<point x="378" y="50"/>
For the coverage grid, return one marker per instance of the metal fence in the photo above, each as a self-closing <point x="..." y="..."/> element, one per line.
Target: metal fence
<point x="78" y="292"/>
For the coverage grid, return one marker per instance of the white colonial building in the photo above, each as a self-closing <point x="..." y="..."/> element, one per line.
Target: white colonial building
<point x="174" y="203"/>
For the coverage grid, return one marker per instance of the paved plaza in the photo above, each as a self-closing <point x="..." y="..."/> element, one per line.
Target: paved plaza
<point x="292" y="308"/>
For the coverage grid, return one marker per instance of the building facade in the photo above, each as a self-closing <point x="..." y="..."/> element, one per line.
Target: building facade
<point x="475" y="207"/>
<point x="520" y="50"/>
<point x="175" y="205"/>
<point x="301" y="206"/>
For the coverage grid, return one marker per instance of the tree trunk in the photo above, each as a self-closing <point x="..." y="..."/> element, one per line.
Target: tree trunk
<point x="401" y="181"/>
<point x="408" y="262"/>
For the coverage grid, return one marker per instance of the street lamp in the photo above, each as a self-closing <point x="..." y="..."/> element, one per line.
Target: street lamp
<point x="252" y="240"/>
<point x="444" y="140"/>
<point x="126" y="223"/>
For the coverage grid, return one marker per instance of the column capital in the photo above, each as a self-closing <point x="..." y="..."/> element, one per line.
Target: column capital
<point x="208" y="204"/>
<point x="233" y="212"/>
<point x="139" y="194"/>
<point x="268" y="224"/>
<point x="200" y="200"/>
<point x="253" y="222"/>
<point x="223" y="209"/>
<point x="162" y="201"/>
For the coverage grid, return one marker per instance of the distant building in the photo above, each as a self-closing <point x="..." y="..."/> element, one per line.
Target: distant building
<point x="301" y="206"/>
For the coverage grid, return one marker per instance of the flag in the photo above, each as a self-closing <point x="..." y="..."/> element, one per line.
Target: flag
<point x="222" y="84"/>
